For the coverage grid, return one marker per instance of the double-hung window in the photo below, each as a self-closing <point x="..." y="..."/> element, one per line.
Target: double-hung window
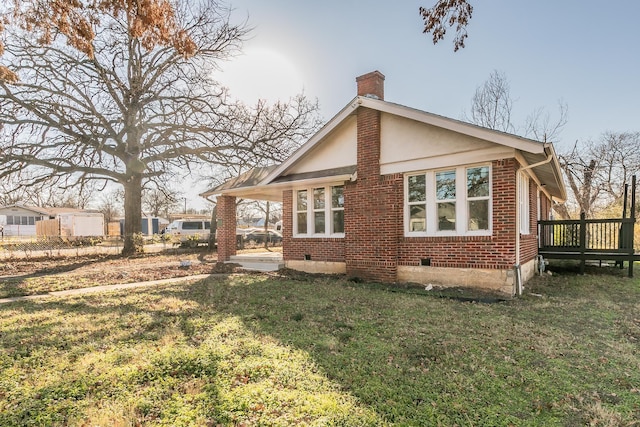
<point x="446" y="200"/>
<point x="478" y="197"/>
<point x="417" y="197"/>
<point x="319" y="212"/>
<point x="453" y="201"/>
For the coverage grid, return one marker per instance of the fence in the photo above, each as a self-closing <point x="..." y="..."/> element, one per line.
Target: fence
<point x="48" y="227"/>
<point x="583" y="239"/>
<point x="57" y="246"/>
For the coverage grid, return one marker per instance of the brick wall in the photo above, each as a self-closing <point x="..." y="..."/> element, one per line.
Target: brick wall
<point x="226" y="217"/>
<point x="319" y="249"/>
<point x="489" y="252"/>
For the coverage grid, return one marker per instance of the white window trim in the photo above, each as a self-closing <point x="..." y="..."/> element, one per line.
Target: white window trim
<point x="461" y="200"/>
<point x="328" y="212"/>
<point x="524" y="202"/>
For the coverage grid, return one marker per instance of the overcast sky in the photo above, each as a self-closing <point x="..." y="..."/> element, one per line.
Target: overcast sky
<point x="584" y="52"/>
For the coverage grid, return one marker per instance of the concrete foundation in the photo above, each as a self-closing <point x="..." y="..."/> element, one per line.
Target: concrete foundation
<point x="502" y="281"/>
<point x="324" y="267"/>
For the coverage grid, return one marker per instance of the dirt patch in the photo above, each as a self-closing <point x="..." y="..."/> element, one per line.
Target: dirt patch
<point x="41" y="275"/>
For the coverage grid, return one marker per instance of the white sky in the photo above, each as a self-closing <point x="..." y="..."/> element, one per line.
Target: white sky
<point x="585" y="52"/>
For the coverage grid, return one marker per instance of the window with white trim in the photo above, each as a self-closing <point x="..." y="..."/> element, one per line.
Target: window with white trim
<point x="319" y="212"/>
<point x="478" y="198"/>
<point x="523" y="203"/>
<point x="446" y="200"/>
<point x="453" y="201"/>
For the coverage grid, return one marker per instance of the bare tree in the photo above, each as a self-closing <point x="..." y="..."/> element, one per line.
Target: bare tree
<point x="447" y="13"/>
<point x="160" y="201"/>
<point x="110" y="205"/>
<point x="129" y="106"/>
<point x="491" y="105"/>
<point x="541" y="126"/>
<point x="597" y="171"/>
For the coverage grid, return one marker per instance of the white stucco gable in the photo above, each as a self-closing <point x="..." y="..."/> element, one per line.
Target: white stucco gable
<point x="336" y="150"/>
<point x="408" y="145"/>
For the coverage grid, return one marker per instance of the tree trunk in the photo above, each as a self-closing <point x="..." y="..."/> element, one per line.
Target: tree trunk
<point x="132" y="215"/>
<point x="266" y="228"/>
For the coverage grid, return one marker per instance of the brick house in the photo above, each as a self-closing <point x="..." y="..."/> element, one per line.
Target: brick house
<point x="389" y="193"/>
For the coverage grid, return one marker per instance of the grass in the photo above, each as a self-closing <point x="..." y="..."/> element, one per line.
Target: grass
<point x="259" y="350"/>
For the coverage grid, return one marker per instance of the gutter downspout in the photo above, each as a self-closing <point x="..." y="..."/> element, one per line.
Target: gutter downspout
<point x="518" y="275"/>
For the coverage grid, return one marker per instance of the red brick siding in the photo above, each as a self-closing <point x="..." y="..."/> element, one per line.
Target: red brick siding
<point x="373" y="221"/>
<point x="320" y="249"/>
<point x="490" y="252"/>
<point x="226" y="216"/>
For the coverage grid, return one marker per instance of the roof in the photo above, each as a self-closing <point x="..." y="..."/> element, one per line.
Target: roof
<point x="539" y="156"/>
<point x="46" y="211"/>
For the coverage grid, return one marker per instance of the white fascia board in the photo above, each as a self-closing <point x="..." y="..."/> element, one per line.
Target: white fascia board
<point x="315" y="139"/>
<point x="497" y="137"/>
<point x="255" y="192"/>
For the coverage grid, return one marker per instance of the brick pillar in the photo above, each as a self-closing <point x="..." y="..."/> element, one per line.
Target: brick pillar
<point x="373" y="204"/>
<point x="226" y="227"/>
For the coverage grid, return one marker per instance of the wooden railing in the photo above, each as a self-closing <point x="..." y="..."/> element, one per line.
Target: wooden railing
<point x="582" y="239"/>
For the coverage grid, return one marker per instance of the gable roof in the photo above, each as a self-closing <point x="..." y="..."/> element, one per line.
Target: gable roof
<point x="45" y="211"/>
<point x="539" y="156"/>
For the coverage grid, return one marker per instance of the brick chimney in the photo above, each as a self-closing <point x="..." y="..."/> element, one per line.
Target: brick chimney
<point x="371" y="85"/>
<point x="373" y="203"/>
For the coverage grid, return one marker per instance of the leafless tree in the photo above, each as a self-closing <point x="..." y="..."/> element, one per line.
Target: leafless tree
<point x="491" y="105"/>
<point x="129" y="111"/>
<point x="110" y="205"/>
<point x="160" y="201"/>
<point x="597" y="171"/>
<point x="541" y="126"/>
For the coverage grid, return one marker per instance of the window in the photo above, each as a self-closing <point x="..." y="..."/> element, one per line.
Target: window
<point x="319" y="212"/>
<point x="448" y="202"/>
<point x="478" y="198"/>
<point x="9" y="219"/>
<point x="301" y="212"/>
<point x="417" y="203"/>
<point x="192" y="225"/>
<point x="523" y="202"/>
<point x="337" y="209"/>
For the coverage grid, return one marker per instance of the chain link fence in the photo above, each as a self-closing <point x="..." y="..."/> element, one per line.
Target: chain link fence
<point x="57" y="246"/>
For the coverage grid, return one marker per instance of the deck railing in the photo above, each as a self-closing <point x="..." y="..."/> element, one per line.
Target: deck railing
<point x="589" y="234"/>
<point x="588" y="239"/>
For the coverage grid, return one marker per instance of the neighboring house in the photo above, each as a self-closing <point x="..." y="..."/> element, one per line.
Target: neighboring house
<point x="389" y="193"/>
<point x="20" y="220"/>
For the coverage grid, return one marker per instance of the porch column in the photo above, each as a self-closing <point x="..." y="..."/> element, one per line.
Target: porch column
<point x="226" y="219"/>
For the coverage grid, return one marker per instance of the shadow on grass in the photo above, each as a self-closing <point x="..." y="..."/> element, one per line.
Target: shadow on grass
<point x="408" y="357"/>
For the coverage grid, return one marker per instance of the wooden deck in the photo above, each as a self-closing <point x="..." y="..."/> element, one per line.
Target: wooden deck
<point x="589" y="239"/>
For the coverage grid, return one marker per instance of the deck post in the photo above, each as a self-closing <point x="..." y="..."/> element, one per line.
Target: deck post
<point x="583" y="241"/>
<point x="632" y="223"/>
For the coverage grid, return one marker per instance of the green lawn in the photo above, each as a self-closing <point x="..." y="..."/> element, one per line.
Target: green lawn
<point x="259" y="350"/>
